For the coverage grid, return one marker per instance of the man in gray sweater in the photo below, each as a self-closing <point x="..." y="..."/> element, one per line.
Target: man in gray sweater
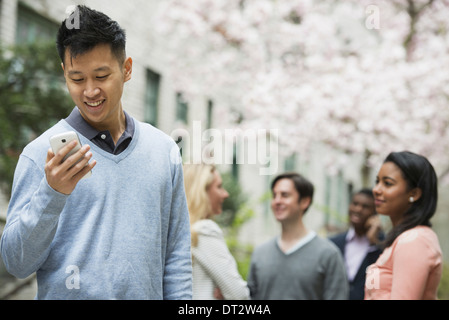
<point x="298" y="264"/>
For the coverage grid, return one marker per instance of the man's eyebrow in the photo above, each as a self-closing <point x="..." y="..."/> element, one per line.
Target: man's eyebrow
<point x="104" y="68"/>
<point x="75" y="72"/>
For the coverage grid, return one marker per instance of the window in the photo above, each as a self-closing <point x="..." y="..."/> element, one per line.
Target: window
<point x="32" y="27"/>
<point x="152" y="98"/>
<point x="235" y="165"/>
<point x="210" y="109"/>
<point x="181" y="108"/>
<point x="337" y="195"/>
<point x="290" y="162"/>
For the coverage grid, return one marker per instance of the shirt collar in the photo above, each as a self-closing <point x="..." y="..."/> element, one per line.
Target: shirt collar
<point x="78" y="123"/>
<point x="351" y="234"/>
<point x="302" y="242"/>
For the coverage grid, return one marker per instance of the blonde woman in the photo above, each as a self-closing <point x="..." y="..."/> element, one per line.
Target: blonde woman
<point x="215" y="271"/>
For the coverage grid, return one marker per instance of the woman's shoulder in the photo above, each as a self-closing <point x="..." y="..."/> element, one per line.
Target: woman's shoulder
<point x="207" y="227"/>
<point x="418" y="233"/>
<point x="419" y="237"/>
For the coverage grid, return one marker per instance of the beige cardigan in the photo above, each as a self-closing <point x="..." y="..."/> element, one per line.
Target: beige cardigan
<point x="214" y="266"/>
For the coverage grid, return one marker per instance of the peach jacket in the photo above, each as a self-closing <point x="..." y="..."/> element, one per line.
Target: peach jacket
<point x="410" y="269"/>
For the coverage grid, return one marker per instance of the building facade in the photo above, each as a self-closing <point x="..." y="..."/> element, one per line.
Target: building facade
<point x="150" y="97"/>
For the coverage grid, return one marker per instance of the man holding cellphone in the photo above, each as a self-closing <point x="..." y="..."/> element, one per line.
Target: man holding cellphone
<point x="122" y="233"/>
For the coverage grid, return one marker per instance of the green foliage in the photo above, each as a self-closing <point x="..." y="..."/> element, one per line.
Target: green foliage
<point x="241" y="252"/>
<point x="443" y="289"/>
<point x="232" y="204"/>
<point x="235" y="213"/>
<point x="33" y="98"/>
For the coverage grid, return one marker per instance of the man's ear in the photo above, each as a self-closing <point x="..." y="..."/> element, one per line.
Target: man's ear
<point x="128" y="68"/>
<point x="304" y="203"/>
<point x="63" y="71"/>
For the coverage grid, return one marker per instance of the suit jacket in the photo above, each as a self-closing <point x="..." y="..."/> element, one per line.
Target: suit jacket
<point x="357" y="285"/>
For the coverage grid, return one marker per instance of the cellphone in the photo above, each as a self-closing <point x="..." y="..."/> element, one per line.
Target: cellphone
<point x="58" y="141"/>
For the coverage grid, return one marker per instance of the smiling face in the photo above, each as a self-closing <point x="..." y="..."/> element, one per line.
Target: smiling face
<point x="286" y="203"/>
<point x="391" y="193"/>
<point x="360" y="209"/>
<point x="95" y="82"/>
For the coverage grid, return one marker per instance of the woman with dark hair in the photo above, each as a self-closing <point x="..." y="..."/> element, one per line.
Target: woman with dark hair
<point x="411" y="264"/>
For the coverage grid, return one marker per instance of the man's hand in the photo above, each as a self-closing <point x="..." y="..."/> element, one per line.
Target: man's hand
<point x="373" y="226"/>
<point x="61" y="176"/>
<point x="217" y="294"/>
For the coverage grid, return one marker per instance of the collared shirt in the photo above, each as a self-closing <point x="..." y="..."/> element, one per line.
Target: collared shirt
<point x="301" y="242"/>
<point x="102" y="139"/>
<point x="356" y="250"/>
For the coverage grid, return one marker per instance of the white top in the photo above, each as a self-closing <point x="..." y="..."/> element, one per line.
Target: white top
<point x="356" y="250"/>
<point x="214" y="266"/>
<point x="301" y="242"/>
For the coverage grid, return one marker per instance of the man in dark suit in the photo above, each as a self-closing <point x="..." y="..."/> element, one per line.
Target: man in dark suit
<point x="359" y="245"/>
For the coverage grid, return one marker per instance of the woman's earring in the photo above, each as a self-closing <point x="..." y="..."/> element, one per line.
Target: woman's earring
<point x="411" y="199"/>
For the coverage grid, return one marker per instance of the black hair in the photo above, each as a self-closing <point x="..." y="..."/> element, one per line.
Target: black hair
<point x="419" y="173"/>
<point x="303" y="186"/>
<point x="93" y="28"/>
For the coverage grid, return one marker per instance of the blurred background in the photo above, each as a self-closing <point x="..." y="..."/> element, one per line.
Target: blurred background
<point x="325" y="88"/>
